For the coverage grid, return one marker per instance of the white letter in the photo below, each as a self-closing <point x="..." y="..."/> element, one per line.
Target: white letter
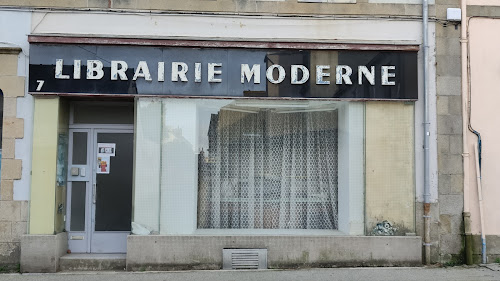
<point x="121" y="71"/>
<point x="295" y="74"/>
<point x="176" y="73"/>
<point x="197" y="72"/>
<point x="370" y="75"/>
<point x="386" y="74"/>
<point x="281" y="74"/>
<point x="320" y="74"/>
<point x="94" y="66"/>
<point x="212" y="72"/>
<point x="343" y="76"/>
<point x="142" y="71"/>
<point x="59" y="69"/>
<point x="161" y="71"/>
<point x="246" y="72"/>
<point x="77" y="64"/>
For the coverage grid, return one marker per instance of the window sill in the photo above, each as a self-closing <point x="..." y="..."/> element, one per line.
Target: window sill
<point x="271" y="232"/>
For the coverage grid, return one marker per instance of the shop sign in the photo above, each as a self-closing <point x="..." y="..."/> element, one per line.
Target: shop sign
<point x="127" y="70"/>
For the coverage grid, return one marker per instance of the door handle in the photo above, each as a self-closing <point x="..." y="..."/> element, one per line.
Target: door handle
<point x="94" y="193"/>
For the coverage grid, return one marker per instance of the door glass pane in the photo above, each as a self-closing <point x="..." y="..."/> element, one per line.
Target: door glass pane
<point x="114" y="189"/>
<point x="77" y="222"/>
<point x="80" y="148"/>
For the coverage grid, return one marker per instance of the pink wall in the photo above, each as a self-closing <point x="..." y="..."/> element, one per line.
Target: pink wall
<point x="484" y="42"/>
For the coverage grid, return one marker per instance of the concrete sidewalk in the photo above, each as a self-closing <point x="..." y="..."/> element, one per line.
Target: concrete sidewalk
<point x="373" y="274"/>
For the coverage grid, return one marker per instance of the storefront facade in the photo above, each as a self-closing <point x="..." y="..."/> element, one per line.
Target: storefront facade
<point x="172" y="150"/>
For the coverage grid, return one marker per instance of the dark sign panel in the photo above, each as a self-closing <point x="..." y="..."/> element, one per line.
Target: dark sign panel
<point x="128" y="70"/>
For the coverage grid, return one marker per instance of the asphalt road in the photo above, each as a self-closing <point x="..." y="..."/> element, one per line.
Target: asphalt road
<point x="372" y="274"/>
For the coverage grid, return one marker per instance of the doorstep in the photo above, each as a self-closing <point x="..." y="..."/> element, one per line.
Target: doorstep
<point x="92" y="262"/>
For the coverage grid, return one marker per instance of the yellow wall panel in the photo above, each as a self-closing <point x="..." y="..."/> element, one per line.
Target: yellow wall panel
<point x="43" y="178"/>
<point x="390" y="181"/>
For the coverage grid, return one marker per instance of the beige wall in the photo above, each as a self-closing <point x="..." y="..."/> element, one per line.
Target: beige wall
<point x="485" y="118"/>
<point x="390" y="181"/>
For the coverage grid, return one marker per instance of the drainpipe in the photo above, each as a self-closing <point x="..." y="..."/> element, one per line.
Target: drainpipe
<point x="427" y="195"/>
<point x="465" y="122"/>
<point x="480" y="197"/>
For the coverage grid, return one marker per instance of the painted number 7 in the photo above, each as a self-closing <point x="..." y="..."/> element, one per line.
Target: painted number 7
<point x="40" y="85"/>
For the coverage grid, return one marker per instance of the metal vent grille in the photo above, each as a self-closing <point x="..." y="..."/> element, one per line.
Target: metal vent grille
<point x="244" y="258"/>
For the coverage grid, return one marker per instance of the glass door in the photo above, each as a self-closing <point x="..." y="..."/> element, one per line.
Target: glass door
<point x="99" y="198"/>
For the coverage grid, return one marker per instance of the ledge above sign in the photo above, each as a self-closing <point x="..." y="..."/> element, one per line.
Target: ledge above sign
<point x="110" y="70"/>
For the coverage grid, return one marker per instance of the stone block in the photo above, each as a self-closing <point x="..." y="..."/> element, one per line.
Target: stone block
<point x="457" y="224"/>
<point x="443" y="144"/>
<point x="456" y="3"/>
<point x="448" y="65"/>
<point x="124" y="4"/>
<point x="444" y="224"/>
<point x="19" y="229"/>
<point x="383" y="9"/>
<point x="98" y="3"/>
<point x="154" y="252"/>
<point x="266" y="6"/>
<point x="46" y="3"/>
<point x="442" y="105"/>
<point x="413" y="10"/>
<point x="9" y="107"/>
<point x="455" y="105"/>
<point x="457" y="184"/>
<point x="5" y="231"/>
<point x="11" y="169"/>
<point x="449" y="124"/>
<point x="451" y="204"/>
<point x="41" y="253"/>
<point x="450" y="164"/>
<point x="456" y="146"/>
<point x="448" y="46"/>
<point x="206" y="6"/>
<point x="9" y="253"/>
<point x="13" y="128"/>
<point x="12" y="86"/>
<point x="7" y="190"/>
<point x="450" y="244"/>
<point x="444" y="184"/>
<point x="58" y="3"/>
<point x="8" y="148"/>
<point x="449" y="85"/>
<point x="9" y="65"/>
<point x="10" y="210"/>
<point x="24" y="210"/>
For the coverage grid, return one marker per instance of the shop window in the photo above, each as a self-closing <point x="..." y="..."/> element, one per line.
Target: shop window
<point x="248" y="166"/>
<point x="270" y="165"/>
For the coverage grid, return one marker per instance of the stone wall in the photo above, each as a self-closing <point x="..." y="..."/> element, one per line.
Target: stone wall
<point x="13" y="214"/>
<point x="449" y="127"/>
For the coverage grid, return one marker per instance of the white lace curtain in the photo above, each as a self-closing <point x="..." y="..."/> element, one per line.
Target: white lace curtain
<point x="269" y="170"/>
